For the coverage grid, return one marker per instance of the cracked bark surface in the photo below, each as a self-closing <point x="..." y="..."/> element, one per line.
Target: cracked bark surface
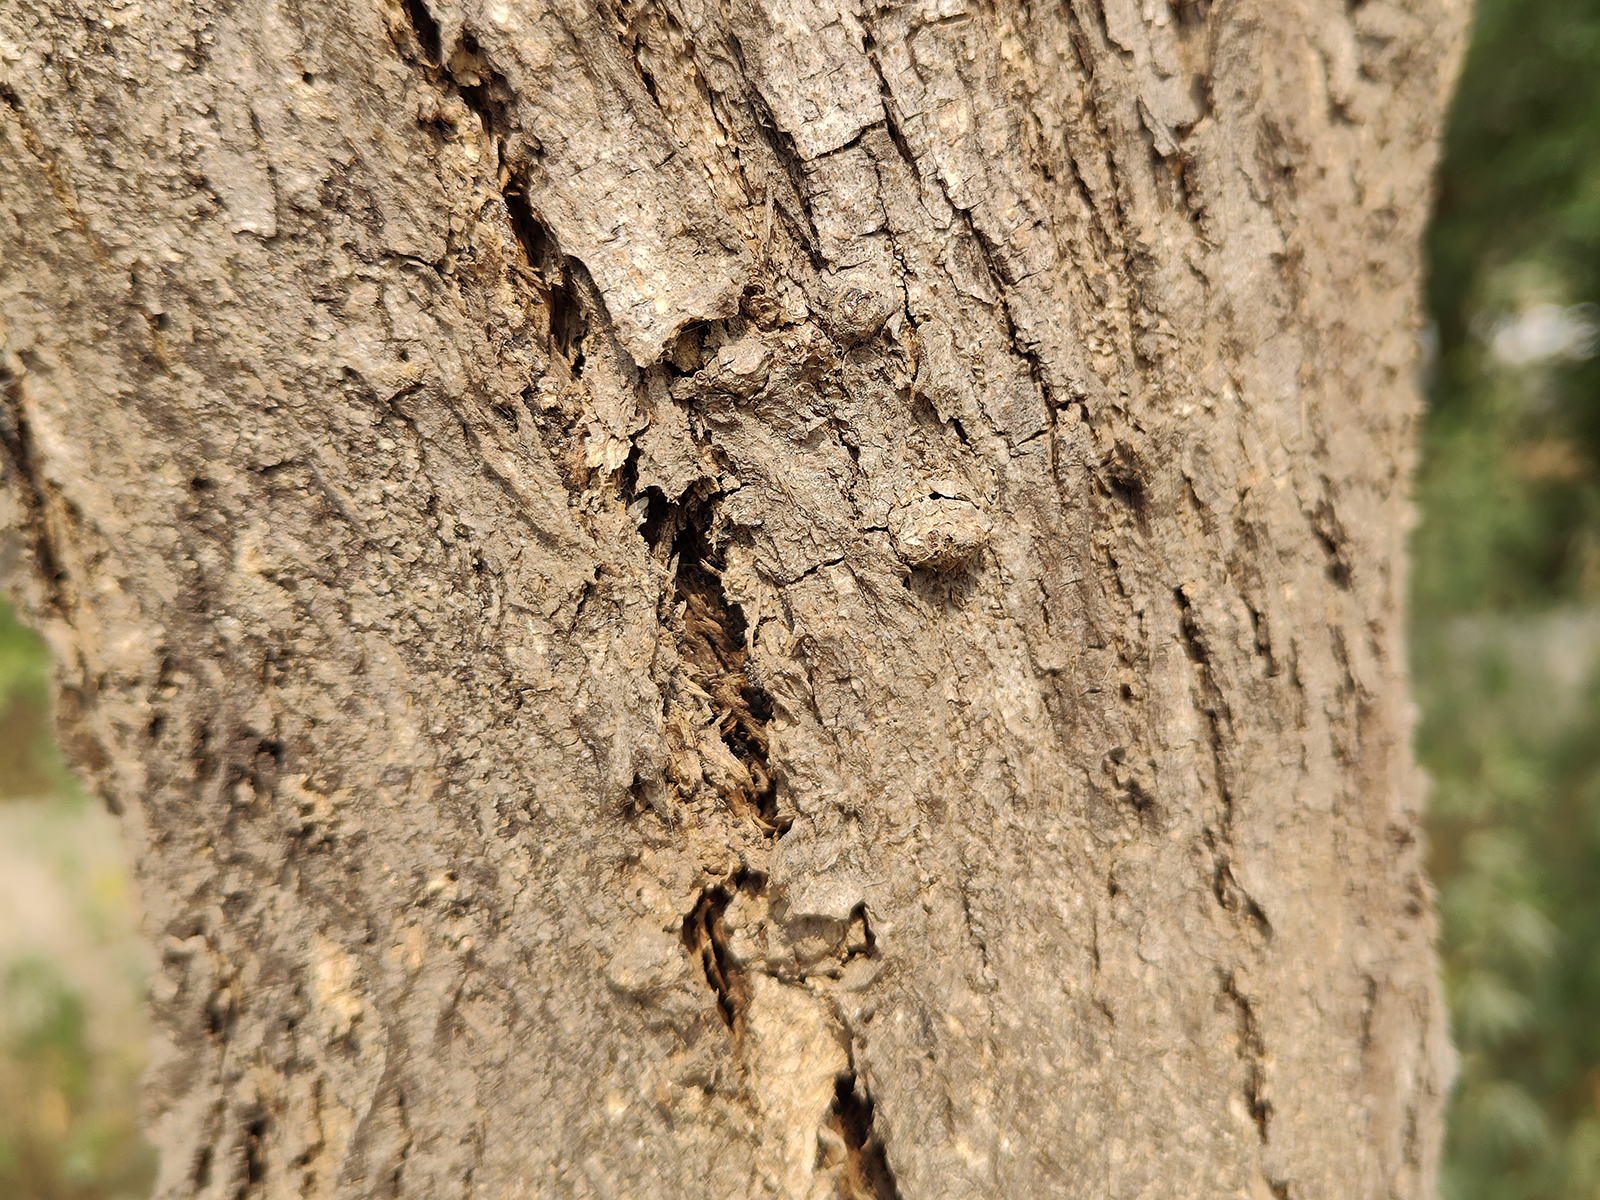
<point x="725" y="599"/>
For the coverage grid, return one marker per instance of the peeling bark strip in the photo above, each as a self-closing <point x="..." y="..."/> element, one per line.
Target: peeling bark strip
<point x="758" y="599"/>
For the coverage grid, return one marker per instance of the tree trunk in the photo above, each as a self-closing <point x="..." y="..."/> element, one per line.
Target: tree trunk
<point x="715" y="600"/>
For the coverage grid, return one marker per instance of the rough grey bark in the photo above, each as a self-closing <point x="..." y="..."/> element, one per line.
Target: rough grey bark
<point x="724" y="599"/>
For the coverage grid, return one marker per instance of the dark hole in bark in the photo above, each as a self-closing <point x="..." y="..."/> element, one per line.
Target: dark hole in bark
<point x="202" y="1167"/>
<point x="490" y="99"/>
<point x="1338" y="569"/>
<point x="866" y="1167"/>
<point x="868" y="939"/>
<point x="569" y="323"/>
<point x="712" y="645"/>
<point x="1331" y="535"/>
<point x="706" y="938"/>
<point x="1127" y="490"/>
<point x="255" y="1164"/>
<point x="658" y="510"/>
<point x="1142" y="801"/>
<point x="426" y="30"/>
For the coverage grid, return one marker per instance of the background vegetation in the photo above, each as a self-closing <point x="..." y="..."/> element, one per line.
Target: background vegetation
<point x="1506" y="651"/>
<point x="1506" y="601"/>
<point x="71" y="1028"/>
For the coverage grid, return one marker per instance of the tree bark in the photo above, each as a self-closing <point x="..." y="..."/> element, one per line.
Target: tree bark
<point x="697" y="599"/>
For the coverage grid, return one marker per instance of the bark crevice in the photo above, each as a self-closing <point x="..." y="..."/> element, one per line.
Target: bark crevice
<point x="713" y="650"/>
<point x="866" y="1174"/>
<point x="705" y="936"/>
<point x="1252" y="1051"/>
<point x="16" y="443"/>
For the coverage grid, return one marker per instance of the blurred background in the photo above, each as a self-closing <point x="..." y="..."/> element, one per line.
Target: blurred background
<point x="1506" y="659"/>
<point x="71" y="969"/>
<point x="1506" y="601"/>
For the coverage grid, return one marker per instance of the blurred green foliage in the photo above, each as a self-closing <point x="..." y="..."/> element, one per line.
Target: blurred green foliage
<point x="67" y="1113"/>
<point x="29" y="764"/>
<point x="1506" y="602"/>
<point x="70" y="1034"/>
<point x="1510" y="497"/>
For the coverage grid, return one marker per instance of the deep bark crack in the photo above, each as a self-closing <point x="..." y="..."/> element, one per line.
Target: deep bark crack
<point x="713" y="651"/>
<point x="866" y="1174"/>
<point x="573" y="308"/>
<point x="705" y="935"/>
<point x="1252" y="1052"/>
<point x="1219" y="721"/>
<point x="1003" y="286"/>
<point x="16" y="444"/>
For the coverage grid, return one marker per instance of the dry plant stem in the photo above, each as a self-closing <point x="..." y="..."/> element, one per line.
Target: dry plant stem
<point x="695" y="599"/>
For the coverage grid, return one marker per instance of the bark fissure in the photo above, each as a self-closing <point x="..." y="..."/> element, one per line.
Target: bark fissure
<point x="782" y="148"/>
<point x="891" y="122"/>
<point x="1224" y="887"/>
<point x="1252" y="1052"/>
<point x="705" y="935"/>
<point x="16" y="441"/>
<point x="1003" y="288"/>
<point x="713" y="648"/>
<point x="1213" y="705"/>
<point x="426" y="31"/>
<point x="572" y="301"/>
<point x="1108" y="205"/>
<point x="866" y="1173"/>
